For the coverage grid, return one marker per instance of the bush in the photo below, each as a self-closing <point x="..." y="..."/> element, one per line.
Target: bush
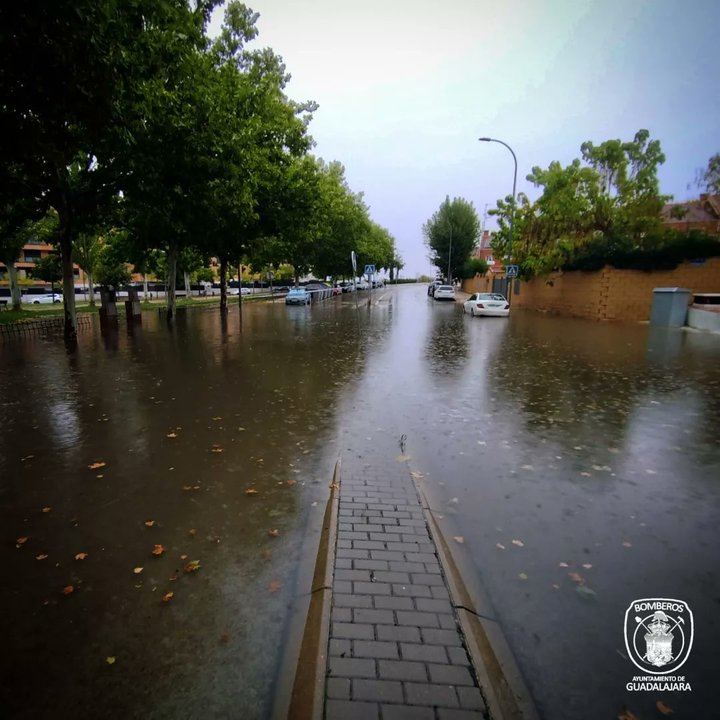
<point x="663" y="251"/>
<point x="473" y="267"/>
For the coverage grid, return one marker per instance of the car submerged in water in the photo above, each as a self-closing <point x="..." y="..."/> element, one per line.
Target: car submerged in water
<point x="487" y="304"/>
<point x="298" y="296"/>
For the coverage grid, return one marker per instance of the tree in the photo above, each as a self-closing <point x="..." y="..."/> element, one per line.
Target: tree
<point x="48" y="268"/>
<point x="472" y="267"/>
<point x="110" y="267"/>
<point x="77" y="82"/>
<point x="86" y="251"/>
<point x="452" y="234"/>
<point x="709" y="178"/>
<point x="204" y="274"/>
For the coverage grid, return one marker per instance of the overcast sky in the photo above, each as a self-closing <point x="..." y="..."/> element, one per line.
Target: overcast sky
<point x="405" y="88"/>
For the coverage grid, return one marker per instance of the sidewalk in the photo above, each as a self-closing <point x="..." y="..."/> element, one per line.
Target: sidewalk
<point x="395" y="650"/>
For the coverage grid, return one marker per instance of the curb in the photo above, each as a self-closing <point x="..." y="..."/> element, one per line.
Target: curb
<point x="307" y="698"/>
<point x="503" y="686"/>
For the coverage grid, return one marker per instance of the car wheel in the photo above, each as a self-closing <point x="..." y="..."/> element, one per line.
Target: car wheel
<point x="56" y="302"/>
<point x="36" y="302"/>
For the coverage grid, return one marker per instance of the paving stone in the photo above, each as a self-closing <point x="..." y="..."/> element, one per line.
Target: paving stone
<point x="432" y="605"/>
<point x="338" y="688"/>
<point x="441" y="637"/>
<point x="353" y="631"/>
<point x="378" y="690"/>
<point x="449" y="714"/>
<point x="352" y="575"/>
<point x="471" y="698"/>
<point x="342" y="586"/>
<point x="343" y="563"/>
<point x="351" y="667"/>
<point x="427" y="694"/>
<point x="353" y="601"/>
<point x="370" y="564"/>
<point x="375" y="649"/>
<point x="447" y="622"/>
<point x="402" y="670"/>
<point x="353" y="554"/>
<point x="423" y="653"/>
<point x="412" y="590"/>
<point x="396" y="632"/>
<point x="386" y="555"/>
<point x="374" y="616"/>
<point x="419" y="619"/>
<point x="427" y="579"/>
<point x="406" y="567"/>
<point x="450" y="675"/>
<point x="440" y="593"/>
<point x="390" y="602"/>
<point x="458" y="656"/>
<point x="340" y="614"/>
<point x="403" y="712"/>
<point x="391" y="577"/>
<point x="348" y="710"/>
<point x="343" y="648"/>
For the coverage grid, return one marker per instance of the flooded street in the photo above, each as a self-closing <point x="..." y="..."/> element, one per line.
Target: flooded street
<point x="596" y="448"/>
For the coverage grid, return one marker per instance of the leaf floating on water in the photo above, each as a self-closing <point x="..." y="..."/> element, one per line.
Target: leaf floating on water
<point x="626" y="543"/>
<point x="149" y="523"/>
<point x="192" y="566"/>
<point x="663" y="708"/>
<point x="68" y="590"/>
<point x="585" y="592"/>
<point x="291" y="481"/>
<point x="251" y="491"/>
<point x="563" y="564"/>
<point x="167" y="597"/>
<point x="274" y="586"/>
<point x="81" y="556"/>
<point x="459" y="539"/>
<point x="216" y="449"/>
<point x="217" y="417"/>
<point x="523" y="576"/>
<point x="158" y="550"/>
<point x="577" y="578"/>
<point x="500" y="545"/>
<point x="20" y="541"/>
<point x="402" y="458"/>
<point x="519" y="543"/>
<point x="274" y="532"/>
<point x="138" y="570"/>
<point x="417" y="475"/>
<point x="171" y="435"/>
<point x="587" y="566"/>
<point x="41" y="556"/>
<point x="183" y="557"/>
<point x="527" y="467"/>
<point x="627" y="715"/>
<point x="110" y="660"/>
<point x="46" y="509"/>
<point x="96" y="465"/>
<point x="192" y="532"/>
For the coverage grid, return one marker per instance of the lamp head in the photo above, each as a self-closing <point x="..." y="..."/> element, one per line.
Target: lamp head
<point x="485" y="139"/>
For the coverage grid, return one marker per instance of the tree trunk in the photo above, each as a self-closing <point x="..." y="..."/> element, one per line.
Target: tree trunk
<point x="68" y="280"/>
<point x="91" y="289"/>
<point x="172" y="256"/>
<point x="240" y="291"/>
<point x="392" y="273"/>
<point x="186" y="277"/>
<point x="223" y="286"/>
<point x="14" y="287"/>
<point x="145" y="286"/>
<point x="297" y="280"/>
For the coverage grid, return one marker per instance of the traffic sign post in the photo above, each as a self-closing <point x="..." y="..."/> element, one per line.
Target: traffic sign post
<point x="511" y="272"/>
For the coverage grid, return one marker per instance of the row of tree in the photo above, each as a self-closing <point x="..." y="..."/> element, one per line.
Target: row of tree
<point x="129" y="135"/>
<point x="605" y="207"/>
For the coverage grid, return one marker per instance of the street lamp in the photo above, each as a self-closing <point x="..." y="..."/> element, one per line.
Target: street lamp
<point x="512" y="216"/>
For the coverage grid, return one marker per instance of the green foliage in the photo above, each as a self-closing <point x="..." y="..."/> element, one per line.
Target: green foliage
<point x="110" y="267"/>
<point x="709" y="178"/>
<point x="452" y="234"/>
<point x="48" y="268"/>
<point x="613" y="194"/>
<point x="472" y="267"/>
<point x="204" y="274"/>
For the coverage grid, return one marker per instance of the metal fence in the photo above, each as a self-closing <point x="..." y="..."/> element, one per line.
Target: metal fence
<point x="40" y="326"/>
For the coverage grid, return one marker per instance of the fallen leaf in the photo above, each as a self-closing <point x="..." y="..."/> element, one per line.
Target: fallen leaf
<point x="81" y="556"/>
<point x="587" y="566"/>
<point x="402" y="458"/>
<point x="192" y="566"/>
<point x="42" y="556"/>
<point x="217" y="417"/>
<point x="46" y="509"/>
<point x="663" y="708"/>
<point x="171" y="435"/>
<point x="585" y="592"/>
<point x="110" y="660"/>
<point x="192" y="531"/>
<point x="519" y="543"/>
<point x="167" y="597"/>
<point x="626" y="543"/>
<point x="183" y="557"/>
<point x="274" y="532"/>
<point x="563" y="564"/>
<point x="138" y="570"/>
<point x="20" y="541"/>
<point x="522" y="576"/>
<point x="459" y="539"/>
<point x="627" y="715"/>
<point x="274" y="586"/>
<point x="158" y="550"/>
<point x="334" y="486"/>
<point x="577" y="578"/>
<point x="251" y="491"/>
<point x="68" y="590"/>
<point x="417" y="475"/>
<point x="500" y="545"/>
<point x="174" y="577"/>
<point x="149" y="523"/>
<point x="216" y="449"/>
<point x="291" y="482"/>
<point x="96" y="465"/>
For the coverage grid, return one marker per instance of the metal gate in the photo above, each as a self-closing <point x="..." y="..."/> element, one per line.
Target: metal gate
<point x="500" y="285"/>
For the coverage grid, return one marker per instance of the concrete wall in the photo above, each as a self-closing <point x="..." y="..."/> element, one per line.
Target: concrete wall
<point x="607" y="294"/>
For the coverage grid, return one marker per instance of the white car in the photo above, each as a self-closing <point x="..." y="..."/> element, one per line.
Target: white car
<point x="488" y="304"/>
<point x="444" y="292"/>
<point x="46" y="299"/>
<point x="362" y="285"/>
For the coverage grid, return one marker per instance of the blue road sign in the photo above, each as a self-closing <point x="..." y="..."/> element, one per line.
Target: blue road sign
<point x="369" y="270"/>
<point x="512" y="270"/>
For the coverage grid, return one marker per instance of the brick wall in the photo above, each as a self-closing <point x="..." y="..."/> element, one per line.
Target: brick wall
<point x="607" y="294"/>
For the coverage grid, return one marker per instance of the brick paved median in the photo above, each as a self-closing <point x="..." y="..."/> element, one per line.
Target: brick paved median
<point x="395" y="649"/>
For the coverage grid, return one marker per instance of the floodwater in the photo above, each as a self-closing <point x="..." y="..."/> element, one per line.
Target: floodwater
<point x="596" y="447"/>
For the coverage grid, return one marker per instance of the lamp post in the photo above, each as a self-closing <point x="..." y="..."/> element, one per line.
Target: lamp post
<point x="512" y="216"/>
<point x="449" y="278"/>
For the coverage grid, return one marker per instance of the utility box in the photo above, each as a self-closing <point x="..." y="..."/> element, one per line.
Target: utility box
<point x="669" y="306"/>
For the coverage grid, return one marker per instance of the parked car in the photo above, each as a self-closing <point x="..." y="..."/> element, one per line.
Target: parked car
<point x="444" y="292"/>
<point x="45" y="299"/>
<point x="362" y="285"/>
<point x="347" y="287"/>
<point x="433" y="286"/>
<point x="488" y="304"/>
<point x="378" y="283"/>
<point x="297" y="296"/>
